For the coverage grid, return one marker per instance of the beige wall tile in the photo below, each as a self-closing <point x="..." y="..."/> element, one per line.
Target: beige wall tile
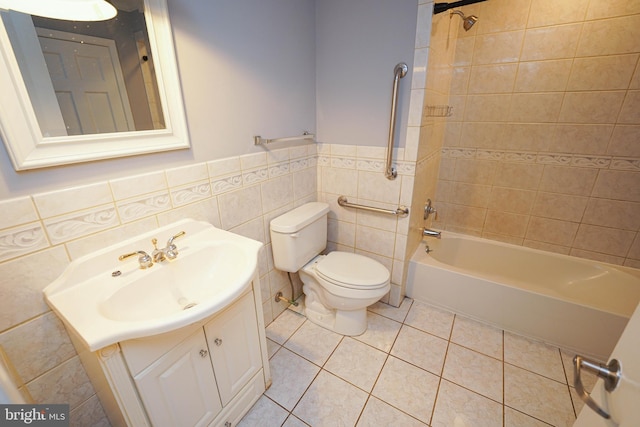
<point x="464" y="216"/>
<point x="602" y="72"/>
<point x="620" y="185"/>
<point x="492" y="78"/>
<point x="576" y="181"/>
<point x="535" y="107"/>
<point x="581" y="138"/>
<point x="471" y="194"/>
<point x="634" y="250"/>
<point x="506" y="223"/>
<point x="526" y="136"/>
<point x="475" y="171"/>
<point x="240" y="206"/>
<point x="72" y="199"/>
<point x="611" y="8"/>
<point x="610" y="36"/>
<point x="498" y="16"/>
<point x="630" y="113"/>
<point x="38" y="345"/>
<point x="560" y="206"/>
<point x="481" y="134"/>
<point x="487" y="108"/>
<point x="17" y="211"/>
<point x="22" y="285"/>
<point x="497" y="48"/>
<point x="613" y="213"/>
<point x="511" y="200"/>
<point x="523" y="176"/>
<point x="552" y="12"/>
<point x="625" y="141"/>
<point x="552" y="231"/>
<point x="376" y="241"/>
<point x="591" y="107"/>
<point x="543" y="76"/>
<point x="604" y="240"/>
<point x="558" y="42"/>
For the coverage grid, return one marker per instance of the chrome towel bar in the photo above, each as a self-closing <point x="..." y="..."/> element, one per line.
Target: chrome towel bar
<point x="401" y="211"/>
<point x="257" y="140"/>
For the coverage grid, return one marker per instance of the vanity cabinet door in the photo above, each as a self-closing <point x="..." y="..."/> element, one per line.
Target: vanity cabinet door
<point x="235" y="347"/>
<point x="179" y="389"/>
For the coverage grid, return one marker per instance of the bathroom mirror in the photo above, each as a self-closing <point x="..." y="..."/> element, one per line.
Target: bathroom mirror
<point x="48" y="120"/>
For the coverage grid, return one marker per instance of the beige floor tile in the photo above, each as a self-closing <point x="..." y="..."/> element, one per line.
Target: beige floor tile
<point x="477" y="336"/>
<point x="264" y="412"/>
<point x="475" y="371"/>
<point x="533" y="356"/>
<point x="430" y="319"/>
<point x="330" y="401"/>
<point x="313" y="342"/>
<point x="291" y="375"/>
<point x="381" y="332"/>
<point x="293" y="421"/>
<point x="408" y="388"/>
<point x="513" y="418"/>
<point x="284" y="326"/>
<point x="272" y="347"/>
<point x="380" y="414"/>
<point x="540" y="397"/>
<point x="421" y="349"/>
<point x="357" y="363"/>
<point x="396" y="313"/>
<point x="457" y="406"/>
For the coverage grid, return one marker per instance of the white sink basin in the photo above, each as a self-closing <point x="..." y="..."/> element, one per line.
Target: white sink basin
<point x="212" y="269"/>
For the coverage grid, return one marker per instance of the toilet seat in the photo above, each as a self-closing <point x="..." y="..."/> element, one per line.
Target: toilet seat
<point x="353" y="271"/>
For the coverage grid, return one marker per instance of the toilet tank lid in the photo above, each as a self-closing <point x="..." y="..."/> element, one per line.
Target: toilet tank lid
<point x="298" y="218"/>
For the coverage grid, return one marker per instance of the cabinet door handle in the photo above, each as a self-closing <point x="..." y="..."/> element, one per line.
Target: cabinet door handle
<point x="203" y="353"/>
<point x="218" y="341"/>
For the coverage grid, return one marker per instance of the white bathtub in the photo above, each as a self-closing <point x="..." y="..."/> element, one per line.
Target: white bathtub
<point x="573" y="303"/>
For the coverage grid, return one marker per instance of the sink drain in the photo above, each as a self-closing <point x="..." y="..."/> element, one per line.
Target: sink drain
<point x="188" y="306"/>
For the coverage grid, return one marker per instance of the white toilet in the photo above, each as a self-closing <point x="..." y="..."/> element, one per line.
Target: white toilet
<point x="338" y="287"/>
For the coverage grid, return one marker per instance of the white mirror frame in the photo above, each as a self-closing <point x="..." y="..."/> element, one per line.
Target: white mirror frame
<point x="29" y="149"/>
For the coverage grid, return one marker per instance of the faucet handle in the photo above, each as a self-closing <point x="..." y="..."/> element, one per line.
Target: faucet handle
<point x="171" y="251"/>
<point x="172" y="238"/>
<point x="144" y="259"/>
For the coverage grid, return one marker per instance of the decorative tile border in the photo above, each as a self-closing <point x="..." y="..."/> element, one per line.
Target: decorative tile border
<point x="22" y="240"/>
<point x="69" y="227"/>
<point x="562" y="159"/>
<point x="133" y="209"/>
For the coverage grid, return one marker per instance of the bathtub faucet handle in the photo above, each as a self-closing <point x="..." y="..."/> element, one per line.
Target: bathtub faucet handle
<point x="428" y="210"/>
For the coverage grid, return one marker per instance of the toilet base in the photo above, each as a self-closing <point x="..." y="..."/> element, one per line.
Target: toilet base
<point x="350" y="323"/>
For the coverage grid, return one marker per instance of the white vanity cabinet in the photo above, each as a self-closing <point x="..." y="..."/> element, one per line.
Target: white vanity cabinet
<point x="206" y="374"/>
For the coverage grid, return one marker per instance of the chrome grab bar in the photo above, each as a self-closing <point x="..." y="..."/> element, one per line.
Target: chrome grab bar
<point x="610" y="373"/>
<point x="401" y="211"/>
<point x="399" y="72"/>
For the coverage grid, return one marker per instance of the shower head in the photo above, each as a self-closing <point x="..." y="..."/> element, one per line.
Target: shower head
<point x="467" y="21"/>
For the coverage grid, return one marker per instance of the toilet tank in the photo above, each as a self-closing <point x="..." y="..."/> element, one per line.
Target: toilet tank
<point x="299" y="235"/>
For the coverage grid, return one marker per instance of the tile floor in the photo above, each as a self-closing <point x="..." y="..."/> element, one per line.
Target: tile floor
<point x="416" y="365"/>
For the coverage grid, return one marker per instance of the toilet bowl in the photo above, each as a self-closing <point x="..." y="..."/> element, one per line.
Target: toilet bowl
<point x="338" y="286"/>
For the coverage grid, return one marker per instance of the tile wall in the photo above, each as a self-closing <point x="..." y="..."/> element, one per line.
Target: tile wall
<point x="42" y="233"/>
<point x="543" y="148"/>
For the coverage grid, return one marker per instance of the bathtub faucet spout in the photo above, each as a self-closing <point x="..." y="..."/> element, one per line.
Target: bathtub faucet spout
<point x="430" y="233"/>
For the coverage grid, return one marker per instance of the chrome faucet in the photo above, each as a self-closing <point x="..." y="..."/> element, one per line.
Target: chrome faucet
<point x="430" y="233"/>
<point x="144" y="259"/>
<point x="168" y="252"/>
